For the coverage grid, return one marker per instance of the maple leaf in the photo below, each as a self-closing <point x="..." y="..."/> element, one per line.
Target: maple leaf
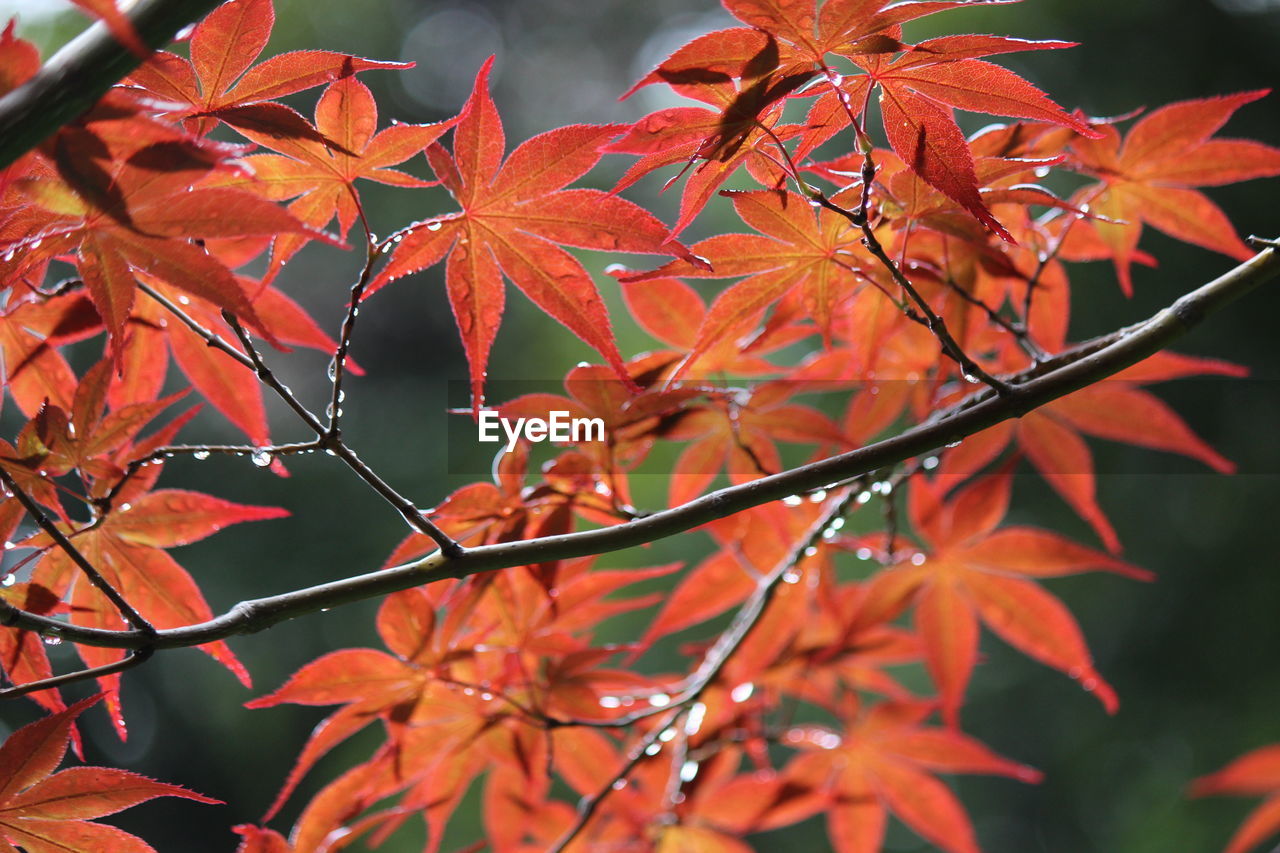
<point x="917" y="92"/>
<point x="1150" y="175"/>
<point x="1117" y="409"/>
<point x="117" y="21"/>
<point x="883" y="763"/>
<point x="136" y="219"/>
<point x="973" y="571"/>
<point x="325" y="178"/>
<point x="513" y="215"/>
<point x="42" y="811"/>
<point x="798" y="247"/>
<point x="220" y="80"/>
<point x="128" y="547"/>
<point x="1255" y="773"/>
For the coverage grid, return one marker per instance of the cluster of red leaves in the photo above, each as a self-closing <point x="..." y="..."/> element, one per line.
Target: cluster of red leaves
<point x="853" y="254"/>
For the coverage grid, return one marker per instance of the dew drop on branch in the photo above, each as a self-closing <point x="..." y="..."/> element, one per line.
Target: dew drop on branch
<point x="261" y="457"/>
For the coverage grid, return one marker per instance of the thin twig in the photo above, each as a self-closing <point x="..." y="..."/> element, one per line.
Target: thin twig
<point x="715" y="659"/>
<point x="268" y="377"/>
<point x="333" y="443"/>
<point x="200" y="451"/>
<point x="338" y="367"/>
<point x="210" y="337"/>
<point x="45" y="523"/>
<point x="134" y="658"/>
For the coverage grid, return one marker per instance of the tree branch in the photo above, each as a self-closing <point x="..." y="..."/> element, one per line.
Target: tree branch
<point x="76" y="76"/>
<point x="1084" y="365"/>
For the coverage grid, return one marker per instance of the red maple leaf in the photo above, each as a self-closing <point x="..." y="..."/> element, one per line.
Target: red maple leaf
<point x="513" y="215"/>
<point x="1256" y="773"/>
<point x="220" y="80"/>
<point x="42" y="811"/>
<point x="129" y="549"/>
<point x="883" y="764"/>
<point x="1149" y="177"/>
<point x="972" y="571"/>
<point x="325" y="178"/>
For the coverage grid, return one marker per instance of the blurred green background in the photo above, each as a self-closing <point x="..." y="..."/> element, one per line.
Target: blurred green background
<point x="1193" y="656"/>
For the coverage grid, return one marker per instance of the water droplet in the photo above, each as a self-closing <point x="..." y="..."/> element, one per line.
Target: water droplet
<point x="693" y="722"/>
<point x="792" y="500"/>
<point x="261" y="457"/>
<point x="200" y="455"/>
<point x="955" y="443"/>
<point x="742" y="692"/>
<point x="1042" y="172"/>
<point x="653" y="749"/>
<point x="863" y="497"/>
<point x="610" y="702"/>
<point x="125" y="507"/>
<point x="863" y="554"/>
<point x="435" y="225"/>
<point x="8" y="256"/>
<point x="613" y="269"/>
<point x="930" y="463"/>
<point x="183" y="299"/>
<point x="9" y="546"/>
<point x="829" y="533"/>
<point x="791" y="576"/>
<point x="1089" y="684"/>
<point x="971" y="379"/>
<point x="486" y="696"/>
<point x="810" y="551"/>
<point x="35" y="244"/>
<point x="330" y="411"/>
<point x="918" y="558"/>
<point x="52" y="639"/>
<point x="837" y="524"/>
<point x="667" y="735"/>
<point x="688" y="771"/>
<point x="9" y="579"/>
<point x="619" y="784"/>
<point x="660" y="700"/>
<point x="333" y="370"/>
